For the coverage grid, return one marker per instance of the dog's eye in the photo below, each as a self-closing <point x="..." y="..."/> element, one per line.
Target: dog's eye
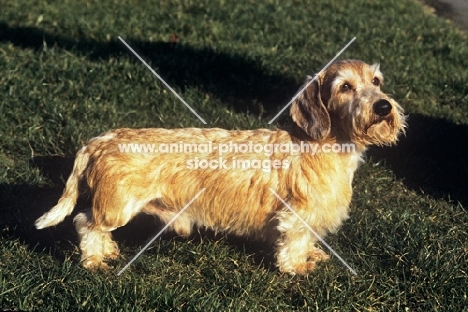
<point x="376" y="81"/>
<point x="346" y="87"/>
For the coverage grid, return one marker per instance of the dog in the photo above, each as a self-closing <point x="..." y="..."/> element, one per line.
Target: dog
<point x="342" y="106"/>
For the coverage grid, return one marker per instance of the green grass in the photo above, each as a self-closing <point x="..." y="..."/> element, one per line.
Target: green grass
<point x="65" y="78"/>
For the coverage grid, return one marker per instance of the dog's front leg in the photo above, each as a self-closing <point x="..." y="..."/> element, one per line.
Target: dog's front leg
<point x="297" y="252"/>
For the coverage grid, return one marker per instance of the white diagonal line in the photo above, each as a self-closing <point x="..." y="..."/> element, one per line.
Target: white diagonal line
<point x="313" y="232"/>
<point x="162" y="80"/>
<point x="160" y="232"/>
<point x="312" y="80"/>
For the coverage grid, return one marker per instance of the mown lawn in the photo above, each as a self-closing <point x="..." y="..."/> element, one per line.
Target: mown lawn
<point x="65" y="78"/>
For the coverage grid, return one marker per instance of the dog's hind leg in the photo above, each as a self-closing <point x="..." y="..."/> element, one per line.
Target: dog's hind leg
<point x="94" y="228"/>
<point x="96" y="242"/>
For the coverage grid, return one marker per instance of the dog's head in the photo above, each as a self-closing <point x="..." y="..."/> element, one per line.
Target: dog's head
<point x="345" y="102"/>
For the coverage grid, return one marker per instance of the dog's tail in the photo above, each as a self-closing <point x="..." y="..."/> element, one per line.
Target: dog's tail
<point x="69" y="197"/>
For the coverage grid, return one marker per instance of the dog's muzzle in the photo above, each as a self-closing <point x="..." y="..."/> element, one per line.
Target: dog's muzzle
<point x="382" y="108"/>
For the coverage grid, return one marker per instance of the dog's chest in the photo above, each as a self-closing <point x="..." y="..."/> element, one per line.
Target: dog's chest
<point x="325" y="180"/>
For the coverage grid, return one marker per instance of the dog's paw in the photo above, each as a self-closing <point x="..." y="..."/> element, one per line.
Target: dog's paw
<point x="293" y="266"/>
<point x="316" y="255"/>
<point x="95" y="263"/>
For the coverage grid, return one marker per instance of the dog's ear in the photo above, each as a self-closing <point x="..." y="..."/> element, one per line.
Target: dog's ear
<point x="309" y="112"/>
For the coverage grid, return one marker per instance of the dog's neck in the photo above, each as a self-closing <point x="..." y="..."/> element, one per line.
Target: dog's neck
<point x="340" y="133"/>
<point x="337" y="135"/>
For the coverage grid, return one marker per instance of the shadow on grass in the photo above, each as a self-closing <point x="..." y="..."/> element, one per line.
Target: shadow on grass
<point x="236" y="80"/>
<point x="432" y="159"/>
<point x="449" y="10"/>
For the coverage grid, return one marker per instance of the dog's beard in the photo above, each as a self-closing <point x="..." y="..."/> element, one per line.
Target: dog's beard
<point x="382" y="131"/>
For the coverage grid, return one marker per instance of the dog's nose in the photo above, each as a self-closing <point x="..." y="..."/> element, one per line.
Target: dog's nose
<point x="382" y="107"/>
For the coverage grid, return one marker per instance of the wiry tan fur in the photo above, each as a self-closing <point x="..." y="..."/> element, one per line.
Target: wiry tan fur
<point x="339" y="107"/>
